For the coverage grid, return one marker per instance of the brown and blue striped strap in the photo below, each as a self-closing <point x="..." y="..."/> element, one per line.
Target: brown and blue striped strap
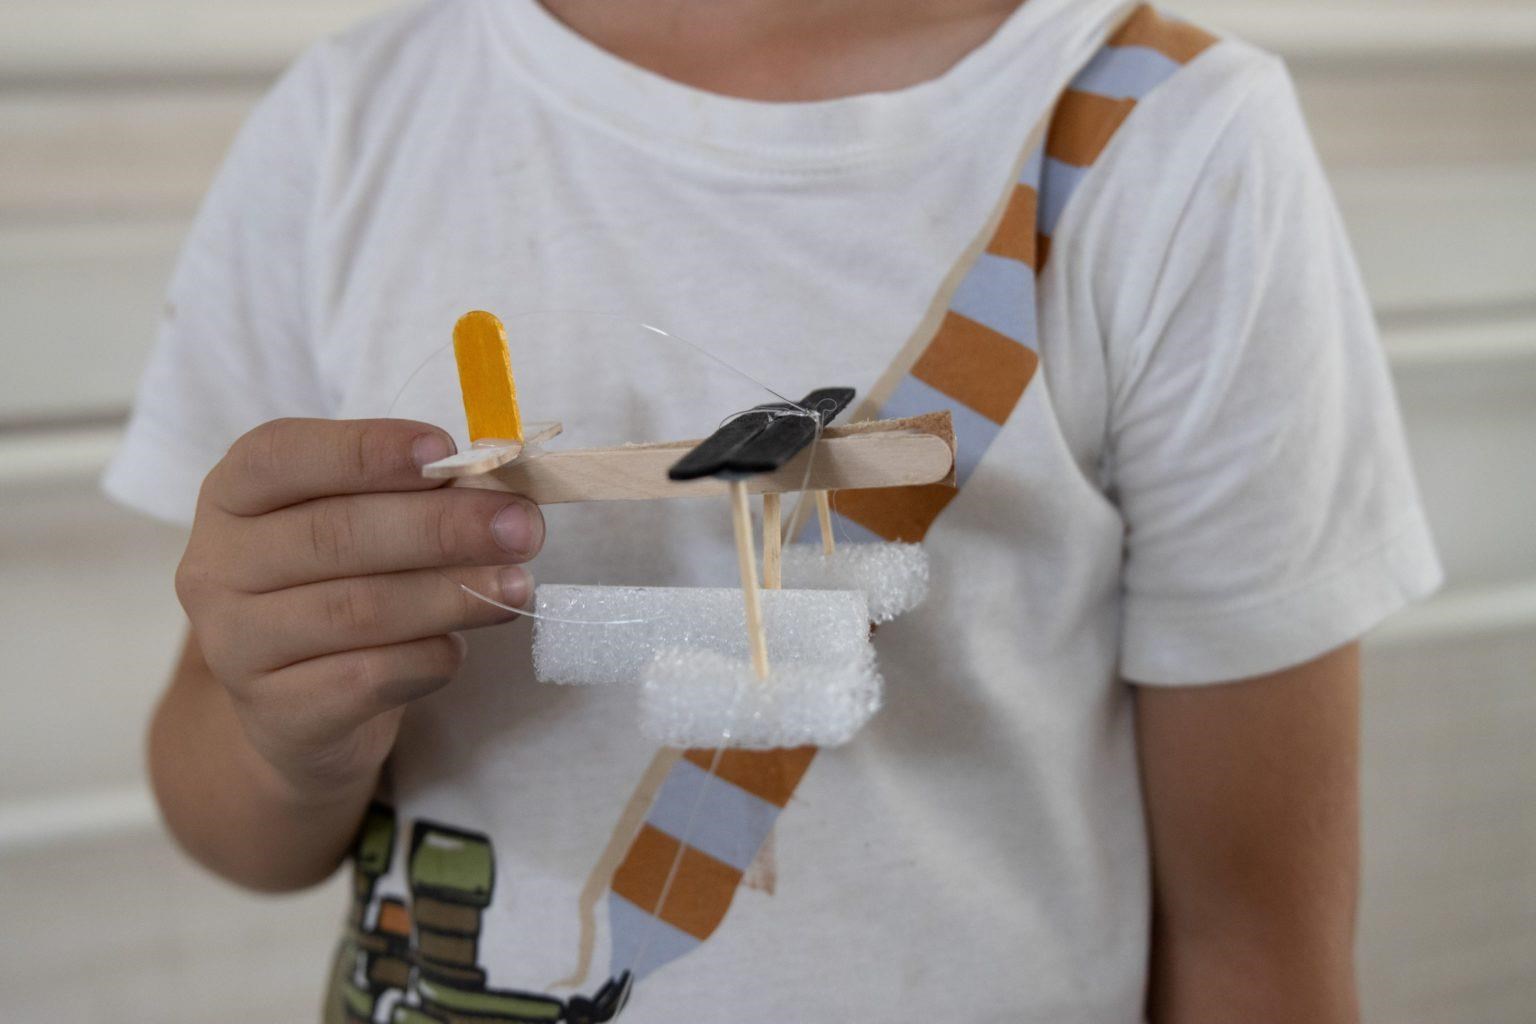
<point x="703" y="831"/>
<point x="984" y="353"/>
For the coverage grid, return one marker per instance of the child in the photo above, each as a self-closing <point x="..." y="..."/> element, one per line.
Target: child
<point x="1115" y="778"/>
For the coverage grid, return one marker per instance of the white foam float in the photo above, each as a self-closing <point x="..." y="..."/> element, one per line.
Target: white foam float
<point x="701" y="698"/>
<point x="892" y="577"/>
<point x="607" y="635"/>
<point x="687" y="648"/>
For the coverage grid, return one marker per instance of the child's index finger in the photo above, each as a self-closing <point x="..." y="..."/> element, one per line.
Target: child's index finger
<point x="285" y="462"/>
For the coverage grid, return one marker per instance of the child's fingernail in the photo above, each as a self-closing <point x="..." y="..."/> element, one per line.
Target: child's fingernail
<point x="513" y="530"/>
<point x="428" y="448"/>
<point x="516" y="585"/>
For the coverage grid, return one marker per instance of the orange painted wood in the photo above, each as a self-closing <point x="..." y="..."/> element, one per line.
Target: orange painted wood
<point x="485" y="377"/>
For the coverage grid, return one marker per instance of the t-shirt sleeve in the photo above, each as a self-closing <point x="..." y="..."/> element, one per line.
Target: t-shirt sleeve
<point x="235" y="346"/>
<point x="1256" y="449"/>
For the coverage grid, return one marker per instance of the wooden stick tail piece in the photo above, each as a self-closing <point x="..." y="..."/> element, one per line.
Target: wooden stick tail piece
<point x="741" y="520"/>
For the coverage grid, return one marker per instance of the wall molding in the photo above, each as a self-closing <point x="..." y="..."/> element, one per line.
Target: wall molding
<point x="1460" y="614"/>
<point x="1345" y="32"/>
<point x="1474" y="338"/>
<point x="86" y="816"/>
<point x="45" y="42"/>
<point x="73" y="447"/>
<point x="50" y="456"/>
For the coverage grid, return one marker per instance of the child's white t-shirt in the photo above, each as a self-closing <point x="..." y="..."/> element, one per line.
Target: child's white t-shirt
<point x="1206" y="479"/>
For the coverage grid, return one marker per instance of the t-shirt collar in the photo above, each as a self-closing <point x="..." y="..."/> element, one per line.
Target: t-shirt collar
<point x="823" y="135"/>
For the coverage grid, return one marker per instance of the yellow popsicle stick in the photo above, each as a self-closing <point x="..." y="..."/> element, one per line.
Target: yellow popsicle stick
<point x="485" y="377"/>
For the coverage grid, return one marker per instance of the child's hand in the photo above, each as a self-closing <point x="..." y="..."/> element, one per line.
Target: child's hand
<point x="312" y="582"/>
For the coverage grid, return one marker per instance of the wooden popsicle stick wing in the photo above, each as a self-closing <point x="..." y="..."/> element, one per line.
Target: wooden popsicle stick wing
<point x="878" y="453"/>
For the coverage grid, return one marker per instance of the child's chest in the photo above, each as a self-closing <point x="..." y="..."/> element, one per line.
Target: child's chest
<point x="646" y="299"/>
<point x="788" y="284"/>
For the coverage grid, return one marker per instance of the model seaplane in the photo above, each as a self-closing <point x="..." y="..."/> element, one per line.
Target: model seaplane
<point x="762" y="666"/>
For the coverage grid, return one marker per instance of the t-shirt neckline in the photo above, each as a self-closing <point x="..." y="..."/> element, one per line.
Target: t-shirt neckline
<point x="822" y="135"/>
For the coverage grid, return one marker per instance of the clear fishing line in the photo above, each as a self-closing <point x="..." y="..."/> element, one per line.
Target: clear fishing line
<point x="614" y="317"/>
<point x="534" y="451"/>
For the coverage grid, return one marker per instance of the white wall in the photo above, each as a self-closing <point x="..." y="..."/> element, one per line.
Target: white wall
<point x="113" y="114"/>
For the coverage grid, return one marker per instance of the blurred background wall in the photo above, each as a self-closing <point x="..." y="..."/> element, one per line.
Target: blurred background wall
<point x="113" y="116"/>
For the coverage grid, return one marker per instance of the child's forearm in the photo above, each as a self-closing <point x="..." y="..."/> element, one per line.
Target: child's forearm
<point x="1238" y="975"/>
<point x="227" y="807"/>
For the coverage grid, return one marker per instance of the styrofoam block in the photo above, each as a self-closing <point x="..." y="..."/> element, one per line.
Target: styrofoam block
<point x="701" y="698"/>
<point x="892" y="577"/>
<point x="800" y="625"/>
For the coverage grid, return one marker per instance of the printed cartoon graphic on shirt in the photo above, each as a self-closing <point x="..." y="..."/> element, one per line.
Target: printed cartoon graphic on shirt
<point x="674" y="874"/>
<point x="419" y="963"/>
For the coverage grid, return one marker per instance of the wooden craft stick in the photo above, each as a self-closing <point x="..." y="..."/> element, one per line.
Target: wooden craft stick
<point x="879" y="453"/>
<point x="773" y="562"/>
<point x="485" y="377"/>
<point x="824" y="516"/>
<point x="741" y="520"/>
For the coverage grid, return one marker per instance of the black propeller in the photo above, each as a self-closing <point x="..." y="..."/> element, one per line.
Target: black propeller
<point x="763" y="438"/>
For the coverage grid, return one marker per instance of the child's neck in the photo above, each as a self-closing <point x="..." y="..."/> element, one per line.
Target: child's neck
<point x="788" y="50"/>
